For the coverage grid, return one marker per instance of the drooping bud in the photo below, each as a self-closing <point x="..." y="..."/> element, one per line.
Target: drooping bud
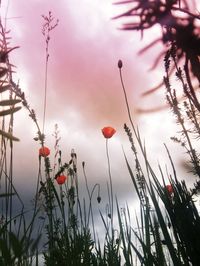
<point x="120" y="64"/>
<point x="99" y="199"/>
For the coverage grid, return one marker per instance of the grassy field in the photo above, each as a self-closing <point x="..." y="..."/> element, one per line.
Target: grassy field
<point x="60" y="228"/>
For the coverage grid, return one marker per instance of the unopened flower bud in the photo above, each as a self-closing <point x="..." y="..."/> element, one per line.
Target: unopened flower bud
<point x="99" y="199"/>
<point x="120" y="64"/>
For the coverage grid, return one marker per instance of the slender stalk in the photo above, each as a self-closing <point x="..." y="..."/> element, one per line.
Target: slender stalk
<point x="111" y="185"/>
<point x="48" y="26"/>
<point x="45" y="83"/>
<point x="125" y="95"/>
<point x="90" y="210"/>
<point x="63" y="209"/>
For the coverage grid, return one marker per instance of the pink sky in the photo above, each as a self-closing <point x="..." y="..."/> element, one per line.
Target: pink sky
<point x="84" y="91"/>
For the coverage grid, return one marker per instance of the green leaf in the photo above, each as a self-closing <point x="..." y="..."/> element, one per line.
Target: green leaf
<point x="34" y="246"/>
<point x="5" y="88"/>
<point x="9" y="102"/>
<point x="123" y="237"/>
<point x="5" y="252"/>
<point x="16" y="245"/>
<point x="171" y="248"/>
<point x="3" y="71"/>
<point x="9" y="111"/>
<point x="6" y="195"/>
<point x="8" y="135"/>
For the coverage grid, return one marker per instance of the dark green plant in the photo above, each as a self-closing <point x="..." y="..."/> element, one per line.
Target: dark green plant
<point x="178" y="29"/>
<point x="167" y="230"/>
<point x="169" y="233"/>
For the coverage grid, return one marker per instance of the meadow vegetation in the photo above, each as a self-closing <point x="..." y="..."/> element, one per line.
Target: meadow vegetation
<point x="61" y="227"/>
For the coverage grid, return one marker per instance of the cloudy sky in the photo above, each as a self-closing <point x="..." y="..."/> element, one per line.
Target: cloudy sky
<point x="84" y="92"/>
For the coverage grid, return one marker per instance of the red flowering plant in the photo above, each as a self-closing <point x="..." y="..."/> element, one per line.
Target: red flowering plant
<point x="44" y="151"/>
<point x="61" y="179"/>
<point x="60" y="205"/>
<point x="169" y="189"/>
<point x="108" y="132"/>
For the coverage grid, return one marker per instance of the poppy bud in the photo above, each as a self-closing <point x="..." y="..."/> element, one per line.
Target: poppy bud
<point x="108" y="132"/>
<point x="44" y="151"/>
<point x="169" y="189"/>
<point x="99" y="199"/>
<point x="120" y="64"/>
<point x="61" y="179"/>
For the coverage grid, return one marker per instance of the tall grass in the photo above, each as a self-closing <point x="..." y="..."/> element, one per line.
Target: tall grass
<point x="62" y="224"/>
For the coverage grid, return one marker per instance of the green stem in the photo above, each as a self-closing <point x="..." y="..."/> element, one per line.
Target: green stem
<point x="111" y="186"/>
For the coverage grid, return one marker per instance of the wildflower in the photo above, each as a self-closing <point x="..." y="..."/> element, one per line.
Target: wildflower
<point x="61" y="179"/>
<point x="44" y="151"/>
<point x="108" y="132"/>
<point x="169" y="189"/>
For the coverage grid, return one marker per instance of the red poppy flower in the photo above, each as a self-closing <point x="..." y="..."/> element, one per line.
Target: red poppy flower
<point x="61" y="179"/>
<point x="108" y="132"/>
<point x="169" y="189"/>
<point x="44" y="151"/>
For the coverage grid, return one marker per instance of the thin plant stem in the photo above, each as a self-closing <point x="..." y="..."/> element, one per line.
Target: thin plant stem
<point x="111" y="185"/>
<point x="63" y="209"/>
<point x="136" y="131"/>
<point x="45" y="84"/>
<point x="90" y="210"/>
<point x="126" y="98"/>
<point x="48" y="26"/>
